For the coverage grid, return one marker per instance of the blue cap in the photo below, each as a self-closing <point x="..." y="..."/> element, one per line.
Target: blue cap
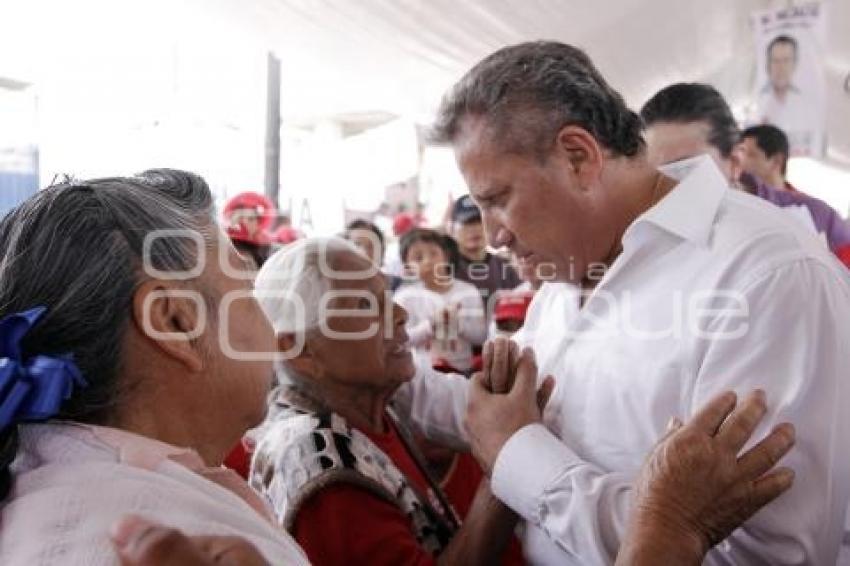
<point x="465" y="210"/>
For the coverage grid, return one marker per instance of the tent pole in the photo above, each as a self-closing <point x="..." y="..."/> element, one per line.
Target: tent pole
<point x="272" y="161"/>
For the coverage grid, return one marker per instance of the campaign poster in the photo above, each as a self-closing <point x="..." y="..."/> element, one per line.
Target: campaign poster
<point x="789" y="89"/>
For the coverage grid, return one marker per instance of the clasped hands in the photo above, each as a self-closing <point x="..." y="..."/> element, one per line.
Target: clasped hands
<point x="695" y="486"/>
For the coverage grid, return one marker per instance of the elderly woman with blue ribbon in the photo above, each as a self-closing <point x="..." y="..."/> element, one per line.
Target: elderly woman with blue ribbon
<point x="110" y="332"/>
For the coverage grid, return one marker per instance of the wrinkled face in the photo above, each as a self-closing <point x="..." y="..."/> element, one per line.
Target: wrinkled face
<point x="470" y="238"/>
<point x="668" y="142"/>
<point x="364" y="342"/>
<point x="237" y="386"/>
<point x="538" y="210"/>
<point x="427" y="260"/>
<point x="755" y="162"/>
<point x="781" y="62"/>
<point x="368" y="242"/>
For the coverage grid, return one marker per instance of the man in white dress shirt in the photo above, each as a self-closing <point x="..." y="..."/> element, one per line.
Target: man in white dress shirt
<point x="670" y="288"/>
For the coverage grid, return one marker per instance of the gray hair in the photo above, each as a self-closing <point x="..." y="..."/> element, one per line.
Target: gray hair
<point x="526" y="93"/>
<point x="291" y="284"/>
<point x="290" y="288"/>
<point x="79" y="249"/>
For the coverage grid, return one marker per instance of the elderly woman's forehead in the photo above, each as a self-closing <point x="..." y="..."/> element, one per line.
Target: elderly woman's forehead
<point x="348" y="260"/>
<point x="349" y="269"/>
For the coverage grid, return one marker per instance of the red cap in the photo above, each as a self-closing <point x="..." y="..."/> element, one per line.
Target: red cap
<point x="512" y="305"/>
<point x="265" y="208"/>
<point x="404" y="222"/>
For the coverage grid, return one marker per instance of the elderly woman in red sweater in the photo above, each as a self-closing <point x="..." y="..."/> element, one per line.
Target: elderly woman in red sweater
<point x="334" y="461"/>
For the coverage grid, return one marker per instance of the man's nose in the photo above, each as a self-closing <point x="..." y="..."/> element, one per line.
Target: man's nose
<point x="497" y="235"/>
<point x="503" y="238"/>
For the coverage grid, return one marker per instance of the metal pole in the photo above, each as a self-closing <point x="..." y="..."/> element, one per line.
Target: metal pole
<point x="272" y="167"/>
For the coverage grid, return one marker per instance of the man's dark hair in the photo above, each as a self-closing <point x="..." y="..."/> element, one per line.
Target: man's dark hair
<point x="527" y="93"/>
<point x="787" y="39"/>
<point x="361" y="224"/>
<point x="694" y="102"/>
<point x="771" y="140"/>
<point x="425" y="235"/>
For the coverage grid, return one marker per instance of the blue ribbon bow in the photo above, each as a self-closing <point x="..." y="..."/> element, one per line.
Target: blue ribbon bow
<point x="31" y="389"/>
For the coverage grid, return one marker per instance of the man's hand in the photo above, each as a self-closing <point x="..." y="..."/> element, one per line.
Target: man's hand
<point x="500" y="361"/>
<point x="491" y="417"/>
<point x="142" y="543"/>
<point x="695" y="489"/>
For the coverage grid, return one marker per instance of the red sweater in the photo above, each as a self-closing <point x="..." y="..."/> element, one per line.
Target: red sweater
<point x="344" y="524"/>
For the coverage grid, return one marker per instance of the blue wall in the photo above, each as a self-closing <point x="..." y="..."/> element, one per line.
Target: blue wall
<point x="15" y="188"/>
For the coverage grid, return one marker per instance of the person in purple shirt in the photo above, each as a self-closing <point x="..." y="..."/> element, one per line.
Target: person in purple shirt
<point x="825" y="218"/>
<point x="688" y="119"/>
<point x="764" y="152"/>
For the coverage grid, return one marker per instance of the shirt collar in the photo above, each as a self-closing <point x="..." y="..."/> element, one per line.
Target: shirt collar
<point x="768" y="88"/>
<point x="143" y="452"/>
<point x="147" y="453"/>
<point x="690" y="209"/>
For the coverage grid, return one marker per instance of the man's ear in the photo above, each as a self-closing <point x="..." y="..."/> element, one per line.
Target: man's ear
<point x="298" y="353"/>
<point x="172" y="318"/>
<point x="736" y="164"/>
<point x="778" y="164"/>
<point x="583" y="153"/>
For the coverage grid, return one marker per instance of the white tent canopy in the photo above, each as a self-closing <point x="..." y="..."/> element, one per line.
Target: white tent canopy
<point x="400" y="55"/>
<point x="181" y="82"/>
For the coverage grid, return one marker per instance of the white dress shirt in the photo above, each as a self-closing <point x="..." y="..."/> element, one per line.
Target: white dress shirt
<point x="799" y="115"/>
<point x="795" y="112"/>
<point x="715" y="290"/>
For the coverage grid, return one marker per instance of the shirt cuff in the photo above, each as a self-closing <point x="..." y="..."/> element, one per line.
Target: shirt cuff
<point x="526" y="467"/>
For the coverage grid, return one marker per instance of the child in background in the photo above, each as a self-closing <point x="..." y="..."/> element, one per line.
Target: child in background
<point x="445" y="316"/>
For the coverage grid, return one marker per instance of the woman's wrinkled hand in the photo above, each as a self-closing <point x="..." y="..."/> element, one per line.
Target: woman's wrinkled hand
<point x="697" y="487"/>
